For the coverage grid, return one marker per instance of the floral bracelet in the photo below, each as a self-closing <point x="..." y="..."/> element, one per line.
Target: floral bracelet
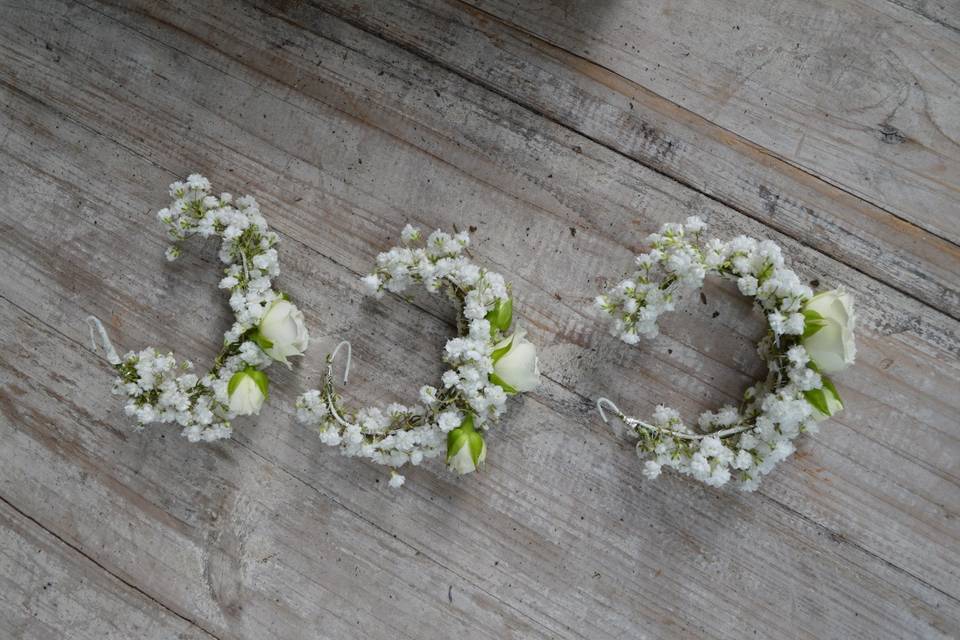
<point x="267" y="326"/>
<point x="808" y="337"/>
<point x="486" y="366"/>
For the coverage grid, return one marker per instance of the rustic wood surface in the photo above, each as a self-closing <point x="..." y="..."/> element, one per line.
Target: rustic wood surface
<point x="564" y="132"/>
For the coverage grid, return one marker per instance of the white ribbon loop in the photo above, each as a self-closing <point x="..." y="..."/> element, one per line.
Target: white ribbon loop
<point x="328" y="390"/>
<point x="111" y="353"/>
<point x="333" y="356"/>
<point x="606" y="401"/>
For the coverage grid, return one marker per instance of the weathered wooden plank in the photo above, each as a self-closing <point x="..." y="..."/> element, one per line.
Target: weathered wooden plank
<point x="624" y="116"/>
<point x="541" y="271"/>
<point x="552" y="553"/>
<point x="219" y="535"/>
<point x="232" y="534"/>
<point x="48" y="590"/>
<point x="859" y="93"/>
<point x="943" y="12"/>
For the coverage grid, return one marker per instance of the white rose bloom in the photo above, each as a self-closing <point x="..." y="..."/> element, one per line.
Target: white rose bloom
<point x="247" y="390"/>
<point x="282" y="324"/>
<point x="831" y="346"/>
<point x="518" y="366"/>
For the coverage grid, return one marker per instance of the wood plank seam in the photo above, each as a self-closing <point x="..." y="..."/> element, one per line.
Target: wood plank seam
<point x="862" y="152"/>
<point x="925" y="15"/>
<point x="490" y="16"/>
<point x="440" y="64"/>
<point x="99" y="565"/>
<point x="836" y="534"/>
<point x="674" y="176"/>
<point x="838" y="537"/>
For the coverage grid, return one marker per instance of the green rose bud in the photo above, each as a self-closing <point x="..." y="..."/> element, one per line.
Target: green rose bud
<point x="466" y="449"/>
<point x="247" y="390"/>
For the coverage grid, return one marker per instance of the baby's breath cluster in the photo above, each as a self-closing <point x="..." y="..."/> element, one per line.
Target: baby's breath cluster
<point x="267" y="327"/>
<point x="808" y="337"/>
<point x="486" y="365"/>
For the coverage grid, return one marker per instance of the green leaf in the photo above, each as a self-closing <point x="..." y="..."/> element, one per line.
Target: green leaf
<point x="459" y="437"/>
<point x="810" y="328"/>
<point x="261" y="341"/>
<point x="828" y="385"/>
<point x="501" y="315"/>
<point x="476" y="447"/>
<point x="234" y="381"/>
<point x="502" y="351"/>
<point x="455" y="441"/>
<point x="813" y="322"/>
<point x="261" y="379"/>
<point x="818" y="400"/>
<point x="497" y="380"/>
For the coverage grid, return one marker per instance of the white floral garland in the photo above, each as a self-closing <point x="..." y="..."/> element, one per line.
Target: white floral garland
<point x="808" y="337"/>
<point x="485" y="366"/>
<point x="267" y="326"/>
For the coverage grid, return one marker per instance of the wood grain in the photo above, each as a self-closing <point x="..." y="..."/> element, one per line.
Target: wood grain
<point x="272" y="534"/>
<point x="943" y="12"/>
<point x="862" y="93"/>
<point x="50" y="590"/>
<point x="670" y="139"/>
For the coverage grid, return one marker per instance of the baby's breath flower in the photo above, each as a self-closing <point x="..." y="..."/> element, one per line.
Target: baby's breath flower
<point x="742" y="443"/>
<point x="486" y="364"/>
<point x="158" y="388"/>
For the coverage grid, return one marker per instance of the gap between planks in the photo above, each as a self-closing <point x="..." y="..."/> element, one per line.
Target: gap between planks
<point x="837" y="536"/>
<point x="933" y="300"/>
<point x="80" y="551"/>
<point x="538" y="113"/>
<point x="469" y="8"/>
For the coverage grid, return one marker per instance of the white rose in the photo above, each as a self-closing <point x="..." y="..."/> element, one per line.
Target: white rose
<point x="828" y="338"/>
<point x="515" y="364"/>
<point x="247" y="390"/>
<point x="466" y="449"/>
<point x="283" y="329"/>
